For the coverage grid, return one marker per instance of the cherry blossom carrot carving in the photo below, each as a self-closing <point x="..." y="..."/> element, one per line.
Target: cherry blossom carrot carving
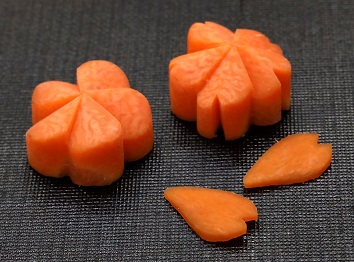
<point x="262" y="80"/>
<point x="87" y="131"/>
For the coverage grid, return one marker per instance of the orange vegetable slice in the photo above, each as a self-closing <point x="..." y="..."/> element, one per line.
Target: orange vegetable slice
<point x="294" y="159"/>
<point x="261" y="80"/>
<point x="215" y="215"/>
<point x="87" y="131"/>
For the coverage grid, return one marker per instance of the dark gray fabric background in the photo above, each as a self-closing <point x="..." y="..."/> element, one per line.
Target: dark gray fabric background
<point x="43" y="219"/>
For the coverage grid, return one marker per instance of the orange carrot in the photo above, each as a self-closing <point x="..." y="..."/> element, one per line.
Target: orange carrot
<point x="88" y="131"/>
<point x="260" y="86"/>
<point x="215" y="215"/>
<point x="295" y="159"/>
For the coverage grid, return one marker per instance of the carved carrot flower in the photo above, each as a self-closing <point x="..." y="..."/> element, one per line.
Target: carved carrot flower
<point x="229" y="80"/>
<point x="87" y="131"/>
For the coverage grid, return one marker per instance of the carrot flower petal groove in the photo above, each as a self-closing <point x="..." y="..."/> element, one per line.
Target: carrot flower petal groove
<point x="243" y="72"/>
<point x="89" y="130"/>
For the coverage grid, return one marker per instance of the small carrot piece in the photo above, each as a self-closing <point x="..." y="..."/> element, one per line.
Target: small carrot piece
<point x="88" y="131"/>
<point x="215" y="215"/>
<point x="294" y="159"/>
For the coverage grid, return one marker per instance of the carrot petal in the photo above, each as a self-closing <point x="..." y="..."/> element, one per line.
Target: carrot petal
<point x="266" y="88"/>
<point x="50" y="96"/>
<point x="207" y="35"/>
<point x="271" y="54"/>
<point x="95" y="146"/>
<point x="295" y="159"/>
<point x="47" y="141"/>
<point x="231" y="85"/>
<point x="215" y="215"/>
<point x="100" y="74"/>
<point x="132" y="110"/>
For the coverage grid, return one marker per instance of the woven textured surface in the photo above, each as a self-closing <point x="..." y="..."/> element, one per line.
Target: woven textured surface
<point x="43" y="219"/>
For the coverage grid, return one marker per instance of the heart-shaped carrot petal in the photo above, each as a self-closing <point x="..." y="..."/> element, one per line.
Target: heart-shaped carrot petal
<point x="215" y="215"/>
<point x="294" y="159"/>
